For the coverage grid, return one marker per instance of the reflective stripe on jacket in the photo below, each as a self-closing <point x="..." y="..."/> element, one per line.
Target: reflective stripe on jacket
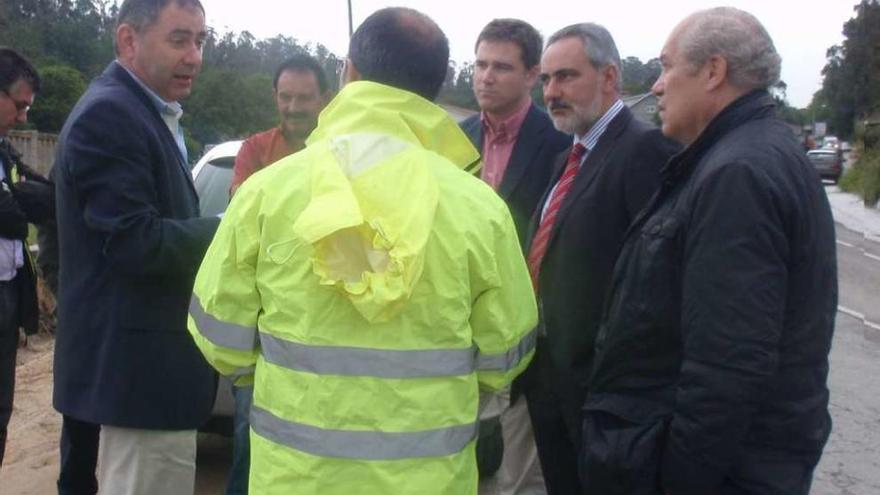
<point x="369" y="285"/>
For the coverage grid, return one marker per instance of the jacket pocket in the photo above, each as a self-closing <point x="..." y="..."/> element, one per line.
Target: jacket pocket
<point x="659" y="267"/>
<point x="621" y="456"/>
<point x="153" y="305"/>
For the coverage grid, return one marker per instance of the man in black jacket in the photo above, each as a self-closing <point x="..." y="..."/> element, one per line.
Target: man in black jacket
<point x="712" y="358"/>
<point x="24" y="198"/>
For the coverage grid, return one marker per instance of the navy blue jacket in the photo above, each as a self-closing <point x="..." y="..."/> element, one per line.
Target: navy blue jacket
<point x="131" y="242"/>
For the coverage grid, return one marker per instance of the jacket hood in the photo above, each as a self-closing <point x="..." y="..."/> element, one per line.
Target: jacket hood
<point x="374" y="193"/>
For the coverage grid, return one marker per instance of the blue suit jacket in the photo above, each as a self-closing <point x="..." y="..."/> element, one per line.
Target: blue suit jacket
<point x="530" y="166"/>
<point x="131" y="242"/>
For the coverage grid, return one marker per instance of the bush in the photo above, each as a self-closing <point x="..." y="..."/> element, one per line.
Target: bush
<point x="870" y="165"/>
<point x="851" y="180"/>
<point x="864" y="178"/>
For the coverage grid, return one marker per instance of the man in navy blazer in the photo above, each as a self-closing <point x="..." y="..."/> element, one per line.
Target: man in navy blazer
<point x="505" y="71"/>
<point x="131" y="241"/>
<point x="518" y="145"/>
<point x="596" y="190"/>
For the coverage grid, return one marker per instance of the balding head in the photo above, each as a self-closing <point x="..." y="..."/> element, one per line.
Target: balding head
<point x="736" y="36"/>
<point x="402" y="48"/>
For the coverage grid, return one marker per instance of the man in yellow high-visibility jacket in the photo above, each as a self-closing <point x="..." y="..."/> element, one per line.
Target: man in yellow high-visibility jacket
<point x="369" y="285"/>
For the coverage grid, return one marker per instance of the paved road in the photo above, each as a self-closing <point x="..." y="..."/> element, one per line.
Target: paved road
<point x="851" y="462"/>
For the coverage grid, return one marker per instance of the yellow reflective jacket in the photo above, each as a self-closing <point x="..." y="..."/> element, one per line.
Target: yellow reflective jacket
<point x="369" y="285"/>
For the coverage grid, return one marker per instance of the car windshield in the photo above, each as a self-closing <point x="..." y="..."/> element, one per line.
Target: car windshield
<point x="212" y="185"/>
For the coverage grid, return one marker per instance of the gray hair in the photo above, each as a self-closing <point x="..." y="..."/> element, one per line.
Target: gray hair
<point x="736" y="36"/>
<point x="598" y="44"/>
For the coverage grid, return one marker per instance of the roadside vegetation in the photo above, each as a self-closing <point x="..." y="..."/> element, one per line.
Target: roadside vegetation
<point x="863" y="178"/>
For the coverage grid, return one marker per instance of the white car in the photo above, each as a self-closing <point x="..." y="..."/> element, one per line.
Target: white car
<point x="831" y="142"/>
<point x="212" y="176"/>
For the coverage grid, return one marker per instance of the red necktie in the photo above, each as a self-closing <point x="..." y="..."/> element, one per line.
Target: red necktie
<point x="539" y="243"/>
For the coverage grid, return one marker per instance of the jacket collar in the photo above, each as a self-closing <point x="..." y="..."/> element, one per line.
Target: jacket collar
<point x="529" y="141"/>
<point x="755" y="105"/>
<point x="365" y="106"/>
<point x="120" y="74"/>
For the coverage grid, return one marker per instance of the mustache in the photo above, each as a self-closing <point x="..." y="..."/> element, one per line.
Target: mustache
<point x="298" y="115"/>
<point x="558" y="105"/>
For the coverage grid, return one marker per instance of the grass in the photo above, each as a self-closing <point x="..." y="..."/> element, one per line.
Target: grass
<point x="863" y="178"/>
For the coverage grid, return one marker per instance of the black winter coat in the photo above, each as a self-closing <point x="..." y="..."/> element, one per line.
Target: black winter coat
<point x="28" y="201"/>
<point x="712" y="356"/>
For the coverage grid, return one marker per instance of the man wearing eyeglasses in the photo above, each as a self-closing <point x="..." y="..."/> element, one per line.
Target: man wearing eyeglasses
<point x="24" y="198"/>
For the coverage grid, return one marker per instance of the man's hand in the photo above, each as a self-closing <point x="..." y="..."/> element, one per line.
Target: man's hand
<point x="36" y="199"/>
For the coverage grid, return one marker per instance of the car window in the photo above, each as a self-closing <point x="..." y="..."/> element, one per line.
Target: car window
<point x="212" y="185"/>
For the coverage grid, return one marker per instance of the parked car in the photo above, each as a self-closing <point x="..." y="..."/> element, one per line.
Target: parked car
<point x="831" y="142"/>
<point x="212" y="176"/>
<point x="827" y="162"/>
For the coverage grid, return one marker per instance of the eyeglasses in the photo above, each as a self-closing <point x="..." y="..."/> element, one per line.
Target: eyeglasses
<point x="21" y="106"/>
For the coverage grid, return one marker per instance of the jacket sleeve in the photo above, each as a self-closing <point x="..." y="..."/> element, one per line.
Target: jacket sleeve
<point x="225" y="303"/>
<point x="108" y="157"/>
<point x="733" y="301"/>
<point x="13" y="222"/>
<point x="643" y="174"/>
<point x="504" y="313"/>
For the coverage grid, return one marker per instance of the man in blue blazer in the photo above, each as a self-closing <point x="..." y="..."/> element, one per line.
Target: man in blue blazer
<point x="518" y="145"/>
<point x="131" y="241"/>
<point x="505" y="71"/>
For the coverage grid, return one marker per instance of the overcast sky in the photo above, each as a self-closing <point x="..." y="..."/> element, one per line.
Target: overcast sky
<point x="802" y="29"/>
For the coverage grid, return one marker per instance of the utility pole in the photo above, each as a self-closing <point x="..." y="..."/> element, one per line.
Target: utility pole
<point x="350" y="30"/>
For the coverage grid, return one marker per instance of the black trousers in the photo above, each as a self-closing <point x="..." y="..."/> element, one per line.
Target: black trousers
<point x="8" y="349"/>
<point x="556" y="422"/>
<point x="79" y="457"/>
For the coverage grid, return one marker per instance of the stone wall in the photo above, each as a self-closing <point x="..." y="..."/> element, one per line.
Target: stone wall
<point x="37" y="148"/>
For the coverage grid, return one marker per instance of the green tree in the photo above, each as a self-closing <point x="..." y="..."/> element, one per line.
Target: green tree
<point x="638" y="77"/>
<point x="227" y="104"/>
<point x="851" y="82"/>
<point x="458" y="88"/>
<point x="62" y="85"/>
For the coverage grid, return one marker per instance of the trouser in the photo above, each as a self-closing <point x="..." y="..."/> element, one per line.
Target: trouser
<point x="146" y="462"/>
<point x="762" y="472"/>
<point x="8" y="348"/>
<point x="79" y="457"/>
<point x="241" y="443"/>
<point x="520" y="471"/>
<point x="556" y="421"/>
